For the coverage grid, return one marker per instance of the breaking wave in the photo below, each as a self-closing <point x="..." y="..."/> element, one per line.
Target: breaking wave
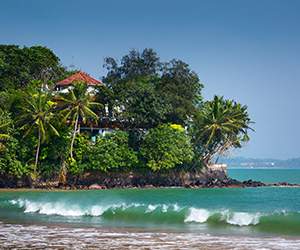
<point x="160" y="213"/>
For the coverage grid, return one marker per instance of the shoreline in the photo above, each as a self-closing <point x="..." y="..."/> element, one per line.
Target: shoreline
<point x="212" y="177"/>
<point x="96" y="187"/>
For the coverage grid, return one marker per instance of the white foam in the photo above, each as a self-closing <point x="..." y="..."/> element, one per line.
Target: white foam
<point x="177" y="208"/>
<point x="198" y="215"/>
<point x="165" y="208"/>
<point x="13" y="202"/>
<point x="242" y="218"/>
<point x="98" y="210"/>
<point x="30" y="207"/>
<point x="61" y="209"/>
<point x="151" y="208"/>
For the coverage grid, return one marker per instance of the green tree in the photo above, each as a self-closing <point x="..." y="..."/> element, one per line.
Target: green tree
<point x="133" y="67"/>
<point x="166" y="146"/>
<point x="141" y="78"/>
<point x="55" y="152"/>
<point x="183" y="88"/>
<point x="20" y="66"/>
<point x="111" y="152"/>
<point x="76" y="108"/>
<point x="137" y="105"/>
<point x="38" y="115"/>
<point x="220" y="125"/>
<point x="9" y="162"/>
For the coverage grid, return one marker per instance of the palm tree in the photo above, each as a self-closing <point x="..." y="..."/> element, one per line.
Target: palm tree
<point x="223" y="125"/>
<point x="76" y="107"/>
<point x="3" y="137"/>
<point x="38" y="114"/>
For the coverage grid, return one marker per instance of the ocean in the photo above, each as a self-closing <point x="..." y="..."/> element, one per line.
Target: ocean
<point x="160" y="218"/>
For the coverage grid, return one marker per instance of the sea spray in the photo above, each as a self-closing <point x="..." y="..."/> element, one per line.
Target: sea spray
<point x="241" y="218"/>
<point x="197" y="215"/>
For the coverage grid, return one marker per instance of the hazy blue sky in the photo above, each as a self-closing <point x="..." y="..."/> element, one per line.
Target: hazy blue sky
<point x="247" y="50"/>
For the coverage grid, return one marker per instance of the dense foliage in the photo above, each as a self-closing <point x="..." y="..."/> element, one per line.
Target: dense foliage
<point x="20" y="66"/>
<point x="163" y="91"/>
<point x="167" y="146"/>
<point x="108" y="153"/>
<point x="155" y="109"/>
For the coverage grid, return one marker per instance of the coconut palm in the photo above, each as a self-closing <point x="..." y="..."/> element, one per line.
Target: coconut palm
<point x="76" y="106"/>
<point x="38" y="114"/>
<point x="223" y="124"/>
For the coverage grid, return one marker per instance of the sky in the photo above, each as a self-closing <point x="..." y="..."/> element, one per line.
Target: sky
<point x="245" y="50"/>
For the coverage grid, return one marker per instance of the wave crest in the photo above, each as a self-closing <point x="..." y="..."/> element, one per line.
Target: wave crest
<point x="153" y="213"/>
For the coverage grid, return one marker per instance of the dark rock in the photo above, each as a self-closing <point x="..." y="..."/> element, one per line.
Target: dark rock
<point x="219" y="183"/>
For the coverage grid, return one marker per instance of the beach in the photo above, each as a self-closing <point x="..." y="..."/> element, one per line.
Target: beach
<point x="154" y="218"/>
<point x="19" y="236"/>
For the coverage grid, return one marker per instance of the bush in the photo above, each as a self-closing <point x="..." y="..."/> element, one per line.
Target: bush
<point x="109" y="153"/>
<point x="166" y="146"/>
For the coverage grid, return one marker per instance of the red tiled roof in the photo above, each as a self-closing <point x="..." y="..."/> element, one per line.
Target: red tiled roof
<point x="80" y="76"/>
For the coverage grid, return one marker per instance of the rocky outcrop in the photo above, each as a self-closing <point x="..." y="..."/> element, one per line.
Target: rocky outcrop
<point x="13" y="181"/>
<point x="170" y="178"/>
<point x="213" y="176"/>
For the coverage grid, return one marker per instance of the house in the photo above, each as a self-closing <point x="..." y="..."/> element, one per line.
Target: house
<point x="105" y="124"/>
<point x="63" y="85"/>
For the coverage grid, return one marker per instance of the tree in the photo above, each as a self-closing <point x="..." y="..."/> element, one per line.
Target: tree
<point x="38" y="114"/>
<point x="54" y="153"/>
<point x="134" y="72"/>
<point x="172" y="84"/>
<point x="220" y="125"/>
<point x="183" y="89"/>
<point x="111" y="152"/>
<point x="20" y="66"/>
<point x="144" y="106"/>
<point x="137" y="105"/>
<point x="76" y="106"/>
<point x="9" y="153"/>
<point x="166" y="146"/>
<point x="134" y="66"/>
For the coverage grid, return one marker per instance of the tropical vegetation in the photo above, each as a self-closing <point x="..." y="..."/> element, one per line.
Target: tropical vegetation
<point x="164" y="121"/>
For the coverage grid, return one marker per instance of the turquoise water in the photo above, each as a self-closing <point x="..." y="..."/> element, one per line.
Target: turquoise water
<point x="248" y="211"/>
<point x="222" y="218"/>
<point x="268" y="176"/>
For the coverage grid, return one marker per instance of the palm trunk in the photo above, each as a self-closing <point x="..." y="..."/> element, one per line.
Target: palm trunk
<point x="225" y="147"/>
<point x="206" y="146"/>
<point x="37" y="151"/>
<point x="211" y="154"/>
<point x="73" y="138"/>
<point x="221" y="152"/>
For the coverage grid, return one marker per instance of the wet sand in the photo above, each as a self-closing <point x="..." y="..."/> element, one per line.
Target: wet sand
<point x="29" y="236"/>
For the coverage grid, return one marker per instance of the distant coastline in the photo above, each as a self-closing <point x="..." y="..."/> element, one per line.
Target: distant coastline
<point x="256" y="163"/>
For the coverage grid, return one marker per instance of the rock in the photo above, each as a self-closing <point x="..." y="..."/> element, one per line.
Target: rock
<point x="219" y="183"/>
<point x="95" y="186"/>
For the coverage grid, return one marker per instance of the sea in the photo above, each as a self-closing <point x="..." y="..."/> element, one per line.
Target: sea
<point x="156" y="218"/>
